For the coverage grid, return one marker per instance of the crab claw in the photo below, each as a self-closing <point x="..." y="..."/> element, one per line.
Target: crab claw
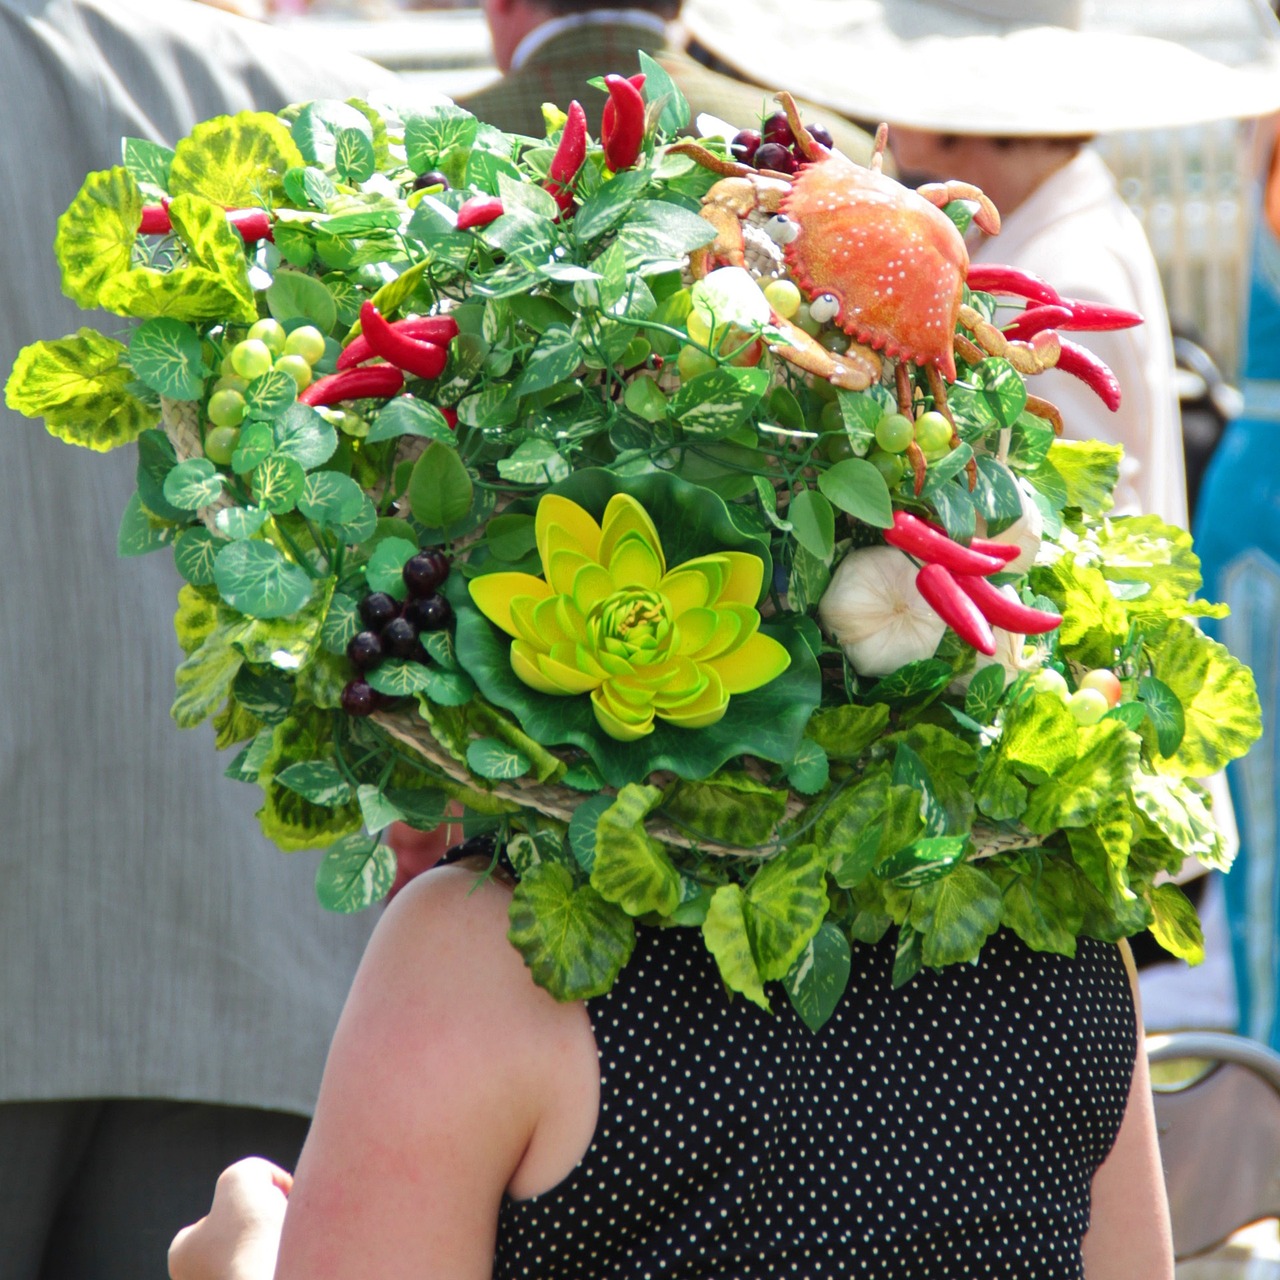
<point x="942" y="193"/>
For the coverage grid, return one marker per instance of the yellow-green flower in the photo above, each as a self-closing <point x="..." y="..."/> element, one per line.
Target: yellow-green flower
<point x="611" y="620"/>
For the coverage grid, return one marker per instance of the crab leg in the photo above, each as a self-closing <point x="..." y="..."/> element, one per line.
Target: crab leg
<point x="1027" y="358"/>
<point x="938" y="388"/>
<point x="1049" y="412"/>
<point x="856" y="371"/>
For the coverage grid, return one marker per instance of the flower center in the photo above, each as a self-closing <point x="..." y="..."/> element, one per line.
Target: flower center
<point x="632" y="623"/>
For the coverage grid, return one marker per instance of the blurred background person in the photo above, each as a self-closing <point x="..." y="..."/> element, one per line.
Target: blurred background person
<point x="168" y="982"/>
<point x="945" y="75"/>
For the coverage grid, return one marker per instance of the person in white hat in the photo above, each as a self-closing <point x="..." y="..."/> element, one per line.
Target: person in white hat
<point x="1006" y="94"/>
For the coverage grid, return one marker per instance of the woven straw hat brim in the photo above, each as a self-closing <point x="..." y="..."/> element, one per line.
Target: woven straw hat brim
<point x="1006" y="67"/>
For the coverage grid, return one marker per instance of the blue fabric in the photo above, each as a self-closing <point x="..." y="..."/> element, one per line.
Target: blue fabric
<point x="1238" y="538"/>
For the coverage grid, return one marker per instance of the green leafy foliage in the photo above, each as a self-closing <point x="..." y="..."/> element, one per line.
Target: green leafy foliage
<point x="819" y="976"/>
<point x="630" y="867"/>
<point x="355" y="872"/>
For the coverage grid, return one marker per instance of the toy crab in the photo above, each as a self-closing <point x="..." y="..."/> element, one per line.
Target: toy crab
<point x="883" y="262"/>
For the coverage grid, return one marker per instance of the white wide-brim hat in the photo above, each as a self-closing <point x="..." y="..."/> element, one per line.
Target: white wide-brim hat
<point x="1006" y="67"/>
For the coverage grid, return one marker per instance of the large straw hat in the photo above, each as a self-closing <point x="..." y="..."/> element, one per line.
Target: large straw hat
<point x="1007" y="67"/>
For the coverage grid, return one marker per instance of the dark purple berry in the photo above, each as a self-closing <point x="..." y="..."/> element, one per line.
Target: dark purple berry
<point x="744" y="144"/>
<point x="821" y="135"/>
<point x="359" y="698"/>
<point x="432" y="178"/>
<point x="400" y="638"/>
<point x="777" y="129"/>
<point x="431" y="613"/>
<point x="378" y="609"/>
<point x="365" y="650"/>
<point x="773" y="155"/>
<point x="424" y="572"/>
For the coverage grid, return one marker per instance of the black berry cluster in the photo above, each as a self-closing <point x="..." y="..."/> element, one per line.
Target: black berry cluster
<point x="773" y="145"/>
<point x="393" y="630"/>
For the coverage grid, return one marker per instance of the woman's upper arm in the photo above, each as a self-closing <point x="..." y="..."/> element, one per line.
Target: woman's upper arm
<point x="1129" y="1233"/>
<point x="429" y="1098"/>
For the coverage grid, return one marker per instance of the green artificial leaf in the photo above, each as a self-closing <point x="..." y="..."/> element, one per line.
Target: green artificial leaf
<point x="859" y="489"/>
<point x="376" y="810"/>
<point x="923" y="861"/>
<point x="910" y="771"/>
<point x="400" y="678"/>
<point x="1094" y="622"/>
<point x="996" y="493"/>
<point x="1004" y="391"/>
<point x="449" y="688"/>
<point x="608" y="205"/>
<point x="1089" y="470"/>
<point x="95" y="237"/>
<point x="913" y="680"/>
<point x="573" y="941"/>
<point x="406" y="416"/>
<point x="631" y="868"/>
<point x="493" y="758"/>
<point x="1041" y="908"/>
<point x="301" y="434"/>
<point x="295" y="295"/>
<point x="354" y="157"/>
<point x="853" y="825"/>
<point x="341" y="623"/>
<point x="195" y="619"/>
<point x="235" y="161"/>
<point x="320" y="781"/>
<point x="534" y="462"/>
<point x="955" y="915"/>
<point x="329" y="498"/>
<point x="583" y="827"/>
<point x="729" y="808"/>
<point x="786" y="903"/>
<point x="256" y="445"/>
<point x="254" y="578"/>
<point x="147" y="162"/>
<point x="273" y="394"/>
<point x="725" y="933"/>
<point x="194" y="552"/>
<point x="1218" y="697"/>
<point x="277" y="484"/>
<point x="166" y="355"/>
<point x="810" y="771"/>
<point x="355" y="873"/>
<point x="1153" y="563"/>
<point x="316" y="127"/>
<point x="907" y="957"/>
<point x="1177" y="814"/>
<point x="1164" y="710"/>
<point x="80" y="386"/>
<point x="266" y="695"/>
<point x="440" y="488"/>
<point x="984" y="694"/>
<point x="431" y="135"/>
<point x="239" y="523"/>
<point x="204" y="679"/>
<point x="845" y="732"/>
<point x="156" y="458"/>
<point x="810" y="577"/>
<point x="813" y="522"/>
<point x="1040" y="737"/>
<point x="140" y="532"/>
<point x="1078" y="791"/>
<point x="286" y="643"/>
<point x="511" y="538"/>
<point x="659" y="87"/>
<point x="193" y="484"/>
<point x="817" y="980"/>
<point x="288" y="819"/>
<point x="248" y="764"/>
<point x="1176" y="927"/>
<point x="555" y="360"/>
<point x="713" y="404"/>
<point x="659" y="232"/>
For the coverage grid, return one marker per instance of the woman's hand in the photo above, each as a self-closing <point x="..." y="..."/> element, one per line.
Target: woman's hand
<point x="239" y="1237"/>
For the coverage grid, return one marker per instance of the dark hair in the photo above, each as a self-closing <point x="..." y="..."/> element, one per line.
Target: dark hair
<point x="663" y="8"/>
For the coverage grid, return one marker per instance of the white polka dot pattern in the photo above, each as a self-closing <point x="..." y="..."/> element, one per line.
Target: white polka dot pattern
<point x="943" y="1131"/>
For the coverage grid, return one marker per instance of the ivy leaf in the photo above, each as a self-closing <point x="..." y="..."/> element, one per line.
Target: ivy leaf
<point x="857" y="488"/>
<point x="193" y="484"/>
<point x="996" y="492"/>
<point x="631" y="868"/>
<point x="266" y="695"/>
<point x="194" y="552"/>
<point x="254" y="578"/>
<point x="493" y="758"/>
<point x="730" y="808"/>
<point x="555" y="359"/>
<point x="713" y="404"/>
<point x="658" y="232"/>
<point x="356" y="872"/>
<point x="955" y="915"/>
<point x="923" y="861"/>
<point x="95" y="237"/>
<point x="79" y="385"/>
<point x="582" y="829"/>
<point x="235" y="161"/>
<point x="573" y="941"/>
<point x="166" y="355"/>
<point x="675" y="115"/>
<point x="786" y="903"/>
<point x="319" y="781"/>
<point x="725" y="933"/>
<point x="818" y="978"/>
<point x="984" y="694"/>
<point x="440" y="488"/>
<point x="534" y="462"/>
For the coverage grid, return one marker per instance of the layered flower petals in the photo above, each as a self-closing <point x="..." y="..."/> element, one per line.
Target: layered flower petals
<point x="609" y="619"/>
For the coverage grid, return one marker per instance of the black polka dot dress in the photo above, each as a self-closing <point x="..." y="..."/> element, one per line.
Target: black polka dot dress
<point x="946" y="1130"/>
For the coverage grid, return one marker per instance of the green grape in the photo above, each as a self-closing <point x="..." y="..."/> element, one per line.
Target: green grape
<point x="637" y="352"/>
<point x="297" y="368"/>
<point x="229" y="382"/>
<point x="805" y="321"/>
<point x="783" y="297"/>
<point x="271" y="332"/>
<point x="220" y="444"/>
<point x="890" y="465"/>
<point x="698" y="327"/>
<point x="251" y="359"/>
<point x="894" y="432"/>
<point x="307" y="342"/>
<point x="933" y="433"/>
<point x="645" y="399"/>
<point x="691" y="362"/>
<point x="226" y="408"/>
<point x="832" y="417"/>
<point x="837" y="447"/>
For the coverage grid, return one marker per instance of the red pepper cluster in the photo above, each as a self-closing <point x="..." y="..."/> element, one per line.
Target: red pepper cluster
<point x="953" y="580"/>
<point x="252" y="224"/>
<point x="1052" y="311"/>
<point x="418" y="345"/>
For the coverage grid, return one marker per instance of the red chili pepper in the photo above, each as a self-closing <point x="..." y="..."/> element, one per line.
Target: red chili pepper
<point x="1035" y="319"/>
<point x="479" y="211"/>
<point x="438" y="329"/>
<point x="988" y="278"/>
<point x="450" y="416"/>
<point x="1083" y="364"/>
<point x="379" y="380"/>
<point x="949" y="602"/>
<point x="418" y="356"/>
<point x="1095" y="317"/>
<point x="252" y="224"/>
<point x="568" y="158"/>
<point x="915" y="537"/>
<point x="1005" y="551"/>
<point x="1001" y="611"/>
<point x="622" y="124"/>
<point x="155" y="220"/>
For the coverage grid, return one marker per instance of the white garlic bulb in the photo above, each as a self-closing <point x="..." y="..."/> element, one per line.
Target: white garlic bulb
<point x="874" y="611"/>
<point x="1026" y="533"/>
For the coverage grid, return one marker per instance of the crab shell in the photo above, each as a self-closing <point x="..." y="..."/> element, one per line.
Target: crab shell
<point x="895" y="263"/>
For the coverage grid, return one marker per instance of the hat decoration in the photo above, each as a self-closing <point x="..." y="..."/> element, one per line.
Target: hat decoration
<point x="674" y="508"/>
